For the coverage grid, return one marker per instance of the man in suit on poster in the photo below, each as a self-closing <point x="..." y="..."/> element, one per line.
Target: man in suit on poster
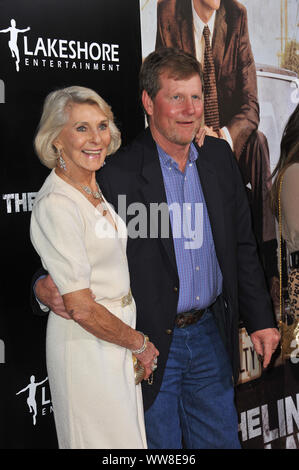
<point x="180" y="24"/>
<point x="188" y="284"/>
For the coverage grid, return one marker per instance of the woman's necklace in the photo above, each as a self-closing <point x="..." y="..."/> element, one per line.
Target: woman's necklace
<point x="95" y="194"/>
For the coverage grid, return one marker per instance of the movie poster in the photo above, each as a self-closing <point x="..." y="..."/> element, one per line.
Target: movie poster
<point x="255" y="50"/>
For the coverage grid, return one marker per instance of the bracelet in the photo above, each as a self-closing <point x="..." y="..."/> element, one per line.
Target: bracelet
<point x="144" y="346"/>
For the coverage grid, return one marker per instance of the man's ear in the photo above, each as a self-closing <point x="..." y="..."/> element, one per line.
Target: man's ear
<point x="147" y="103"/>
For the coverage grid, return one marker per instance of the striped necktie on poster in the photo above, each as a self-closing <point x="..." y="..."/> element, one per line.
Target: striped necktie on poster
<point x="211" y="111"/>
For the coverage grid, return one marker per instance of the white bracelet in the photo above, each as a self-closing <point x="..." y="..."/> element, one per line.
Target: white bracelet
<point x="144" y="346"/>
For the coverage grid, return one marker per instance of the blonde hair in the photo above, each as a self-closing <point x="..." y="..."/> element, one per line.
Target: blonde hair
<point x="55" y="116"/>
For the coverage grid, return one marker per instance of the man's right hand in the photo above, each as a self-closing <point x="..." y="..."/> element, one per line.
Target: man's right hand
<point x="48" y="294"/>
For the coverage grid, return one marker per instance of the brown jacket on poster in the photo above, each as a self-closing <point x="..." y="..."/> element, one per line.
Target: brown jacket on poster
<point x="233" y="59"/>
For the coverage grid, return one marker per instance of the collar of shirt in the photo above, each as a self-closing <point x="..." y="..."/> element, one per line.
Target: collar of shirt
<point x="168" y="162"/>
<point x="199" y="24"/>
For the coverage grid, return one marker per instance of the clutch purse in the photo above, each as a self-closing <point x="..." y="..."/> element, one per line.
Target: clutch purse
<point x="289" y="317"/>
<point x="139" y="370"/>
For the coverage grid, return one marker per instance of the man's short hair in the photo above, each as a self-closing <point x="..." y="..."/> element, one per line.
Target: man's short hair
<point x="178" y="64"/>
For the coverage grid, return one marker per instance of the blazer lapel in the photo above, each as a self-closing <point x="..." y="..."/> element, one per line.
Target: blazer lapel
<point x="219" y="39"/>
<point x="212" y="195"/>
<point x="153" y="191"/>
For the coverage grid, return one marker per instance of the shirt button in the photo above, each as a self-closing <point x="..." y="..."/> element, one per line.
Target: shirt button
<point x="190" y="164"/>
<point x="197" y="298"/>
<point x="168" y="332"/>
<point x="197" y="268"/>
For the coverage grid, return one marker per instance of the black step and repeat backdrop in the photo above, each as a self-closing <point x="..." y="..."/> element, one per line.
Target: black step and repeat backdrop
<point x="43" y="46"/>
<point x="267" y="401"/>
<point x="100" y="44"/>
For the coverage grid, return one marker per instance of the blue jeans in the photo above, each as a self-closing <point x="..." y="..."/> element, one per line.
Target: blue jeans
<point x="196" y="400"/>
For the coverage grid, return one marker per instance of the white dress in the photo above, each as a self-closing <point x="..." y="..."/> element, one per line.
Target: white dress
<point x="95" y="400"/>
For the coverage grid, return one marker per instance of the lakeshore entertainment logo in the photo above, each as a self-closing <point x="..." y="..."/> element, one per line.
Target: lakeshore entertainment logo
<point x="2" y="92"/>
<point x="2" y="352"/>
<point x="59" y="54"/>
<point x="36" y="403"/>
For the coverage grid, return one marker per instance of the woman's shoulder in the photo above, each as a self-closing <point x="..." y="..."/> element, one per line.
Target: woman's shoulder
<point x="53" y="189"/>
<point x="290" y="186"/>
<point x="292" y="171"/>
<point x="55" y="195"/>
<point x="291" y="179"/>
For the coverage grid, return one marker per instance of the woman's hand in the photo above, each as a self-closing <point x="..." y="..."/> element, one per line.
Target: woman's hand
<point x="206" y="130"/>
<point x="200" y="136"/>
<point x="148" y="359"/>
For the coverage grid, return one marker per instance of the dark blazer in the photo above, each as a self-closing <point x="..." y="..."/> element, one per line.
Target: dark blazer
<point x="135" y="172"/>
<point x="233" y="59"/>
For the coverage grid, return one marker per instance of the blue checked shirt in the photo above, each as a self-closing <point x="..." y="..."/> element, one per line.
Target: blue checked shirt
<point x="198" y="269"/>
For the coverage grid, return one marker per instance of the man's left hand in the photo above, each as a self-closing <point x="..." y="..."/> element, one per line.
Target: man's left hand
<point x="265" y="342"/>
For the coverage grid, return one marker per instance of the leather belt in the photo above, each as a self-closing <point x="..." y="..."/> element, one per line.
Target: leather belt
<point x="188" y="318"/>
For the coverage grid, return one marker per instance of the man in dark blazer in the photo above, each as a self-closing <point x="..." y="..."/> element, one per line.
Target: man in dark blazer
<point x="237" y="98"/>
<point x="192" y="391"/>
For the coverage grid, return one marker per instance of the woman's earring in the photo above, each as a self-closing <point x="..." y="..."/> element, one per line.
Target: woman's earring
<point x="61" y="161"/>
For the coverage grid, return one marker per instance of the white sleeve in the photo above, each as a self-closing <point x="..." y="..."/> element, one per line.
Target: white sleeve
<point x="57" y="233"/>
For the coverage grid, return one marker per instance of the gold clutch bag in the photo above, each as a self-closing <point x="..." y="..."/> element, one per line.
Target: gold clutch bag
<point x="139" y="370"/>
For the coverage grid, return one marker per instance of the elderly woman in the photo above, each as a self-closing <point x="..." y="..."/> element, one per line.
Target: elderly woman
<point x="82" y="244"/>
<point x="285" y="204"/>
